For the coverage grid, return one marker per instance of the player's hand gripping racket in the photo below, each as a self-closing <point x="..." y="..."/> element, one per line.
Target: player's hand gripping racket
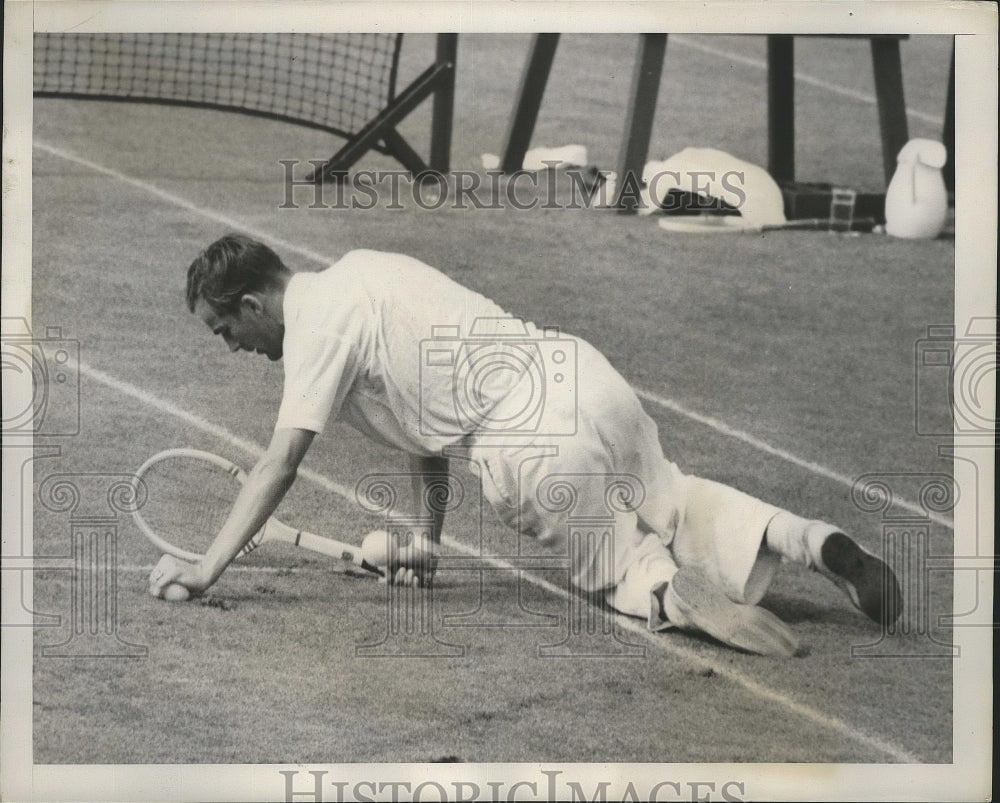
<point x="186" y="495"/>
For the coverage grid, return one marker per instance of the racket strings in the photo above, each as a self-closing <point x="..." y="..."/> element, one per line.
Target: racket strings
<point x="187" y="501"/>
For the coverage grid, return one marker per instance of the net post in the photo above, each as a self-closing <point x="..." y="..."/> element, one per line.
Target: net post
<point x="641" y="111"/>
<point x="407" y="101"/>
<point x="781" y="108"/>
<point x="443" y="110"/>
<point x="405" y="154"/>
<point x="529" y="101"/>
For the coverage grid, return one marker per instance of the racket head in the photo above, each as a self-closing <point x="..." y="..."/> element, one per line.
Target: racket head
<point x="186" y="494"/>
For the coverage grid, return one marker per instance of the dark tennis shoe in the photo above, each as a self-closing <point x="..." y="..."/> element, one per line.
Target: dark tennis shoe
<point x="866" y="579"/>
<point x="691" y="602"/>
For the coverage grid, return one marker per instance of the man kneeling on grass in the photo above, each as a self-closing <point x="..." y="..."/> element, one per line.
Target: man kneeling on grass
<point x="690" y="553"/>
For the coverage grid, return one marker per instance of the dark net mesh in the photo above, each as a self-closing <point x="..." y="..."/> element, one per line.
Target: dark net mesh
<point x="337" y="82"/>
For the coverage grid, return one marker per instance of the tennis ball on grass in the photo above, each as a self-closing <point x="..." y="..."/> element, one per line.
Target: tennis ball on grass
<point x="175" y="592"/>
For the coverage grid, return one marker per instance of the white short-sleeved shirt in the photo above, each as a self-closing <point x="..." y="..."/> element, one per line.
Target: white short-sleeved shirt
<point x="371" y="341"/>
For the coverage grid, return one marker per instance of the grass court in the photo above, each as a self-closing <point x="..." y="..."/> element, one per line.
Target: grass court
<point x="782" y="364"/>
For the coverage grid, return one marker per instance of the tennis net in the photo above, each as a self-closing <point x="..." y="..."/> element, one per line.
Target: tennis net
<point x="334" y="82"/>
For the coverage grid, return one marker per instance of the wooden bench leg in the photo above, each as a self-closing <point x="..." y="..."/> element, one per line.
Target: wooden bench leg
<point x="639" y="117"/>
<point x="948" y="133"/>
<point x="444" y="104"/>
<point x="529" y="101"/>
<point x="781" y="108"/>
<point x="891" y="102"/>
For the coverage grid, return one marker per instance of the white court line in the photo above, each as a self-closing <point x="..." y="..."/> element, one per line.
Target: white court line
<point x="240" y="569"/>
<point x="815" y="468"/>
<point x="658" y="641"/>
<point x="183" y="203"/>
<point x="804" y="78"/>
<point x="323" y="259"/>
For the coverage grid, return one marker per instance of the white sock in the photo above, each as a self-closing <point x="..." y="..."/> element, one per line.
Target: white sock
<point x="797" y="539"/>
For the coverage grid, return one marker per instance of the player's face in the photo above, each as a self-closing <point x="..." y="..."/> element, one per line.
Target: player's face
<point x="249" y="329"/>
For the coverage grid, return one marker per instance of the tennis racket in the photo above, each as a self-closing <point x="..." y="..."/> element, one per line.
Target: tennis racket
<point x="185" y="496"/>
<point x="734" y="224"/>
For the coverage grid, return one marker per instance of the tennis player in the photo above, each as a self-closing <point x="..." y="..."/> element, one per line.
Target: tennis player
<point x="420" y="363"/>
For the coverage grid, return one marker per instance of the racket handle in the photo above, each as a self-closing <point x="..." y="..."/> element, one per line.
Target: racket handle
<point x="335" y="549"/>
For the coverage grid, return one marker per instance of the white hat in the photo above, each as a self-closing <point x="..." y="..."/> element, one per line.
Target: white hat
<point x="707" y="172"/>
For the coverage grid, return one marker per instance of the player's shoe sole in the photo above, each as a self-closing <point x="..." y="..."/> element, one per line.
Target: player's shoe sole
<point x="867" y="580"/>
<point x="690" y="601"/>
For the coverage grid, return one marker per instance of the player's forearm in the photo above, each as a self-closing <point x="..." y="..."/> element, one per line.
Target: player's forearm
<point x="427" y="470"/>
<point x="266" y="485"/>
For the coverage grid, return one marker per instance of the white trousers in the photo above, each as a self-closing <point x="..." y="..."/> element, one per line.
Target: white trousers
<point x="603" y="491"/>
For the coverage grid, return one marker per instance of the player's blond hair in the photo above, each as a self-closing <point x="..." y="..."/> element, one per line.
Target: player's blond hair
<point x="229" y="268"/>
